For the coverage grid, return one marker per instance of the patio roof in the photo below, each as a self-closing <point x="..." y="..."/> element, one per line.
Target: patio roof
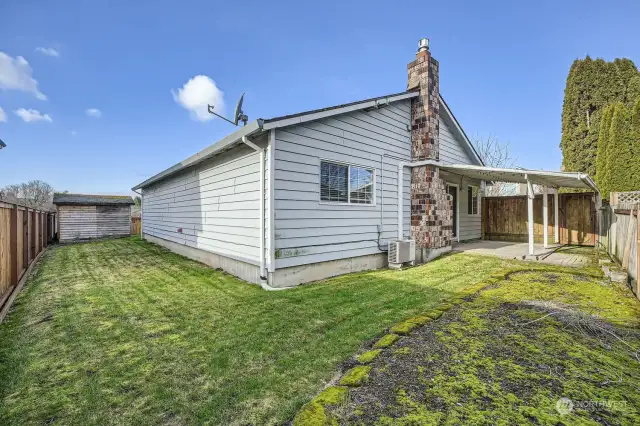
<point x="541" y="177"/>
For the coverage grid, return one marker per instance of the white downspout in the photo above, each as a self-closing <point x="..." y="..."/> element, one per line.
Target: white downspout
<point x="263" y="272"/>
<point x="400" y="183"/>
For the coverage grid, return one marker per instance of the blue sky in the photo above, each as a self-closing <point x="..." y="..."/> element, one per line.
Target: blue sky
<point x="502" y="71"/>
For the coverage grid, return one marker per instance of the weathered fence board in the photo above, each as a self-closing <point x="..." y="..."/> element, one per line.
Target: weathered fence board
<point x="619" y="236"/>
<point x="5" y="250"/>
<point x="506" y="219"/>
<point x="136" y="225"/>
<point x="24" y="233"/>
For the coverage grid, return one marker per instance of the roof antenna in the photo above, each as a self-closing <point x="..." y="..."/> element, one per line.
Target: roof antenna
<point x="238" y="114"/>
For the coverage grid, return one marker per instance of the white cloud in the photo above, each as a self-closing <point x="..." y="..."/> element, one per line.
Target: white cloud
<point x="94" y="112"/>
<point x="15" y="74"/>
<point x="3" y="116"/>
<point x="48" y="51"/>
<point x="73" y="133"/>
<point x="29" y="115"/>
<point x="196" y="94"/>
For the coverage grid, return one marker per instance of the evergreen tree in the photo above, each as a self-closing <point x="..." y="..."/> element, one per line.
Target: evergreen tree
<point x="591" y="86"/>
<point x="620" y="158"/>
<point x="602" y="175"/>
<point x="633" y="90"/>
<point x="635" y="143"/>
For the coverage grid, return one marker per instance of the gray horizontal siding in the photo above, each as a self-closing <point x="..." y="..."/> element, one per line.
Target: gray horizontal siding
<point x="308" y="231"/>
<point x="85" y="222"/>
<point x="214" y="206"/>
<point x="452" y="147"/>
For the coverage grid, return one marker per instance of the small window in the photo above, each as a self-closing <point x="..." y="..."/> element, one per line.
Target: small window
<point x="472" y="200"/>
<point x="342" y="183"/>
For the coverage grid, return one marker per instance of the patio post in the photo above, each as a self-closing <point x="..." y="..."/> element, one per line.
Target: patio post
<point x="545" y="216"/>
<point x="530" y="197"/>
<point x="556" y="225"/>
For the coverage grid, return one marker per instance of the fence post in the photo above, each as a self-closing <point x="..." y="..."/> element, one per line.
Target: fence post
<point x="637" y="250"/>
<point x="42" y="239"/>
<point x="13" y="245"/>
<point x="32" y="239"/>
<point x="25" y="237"/>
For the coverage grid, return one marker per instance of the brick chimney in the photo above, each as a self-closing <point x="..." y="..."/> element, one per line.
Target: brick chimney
<point x="431" y="205"/>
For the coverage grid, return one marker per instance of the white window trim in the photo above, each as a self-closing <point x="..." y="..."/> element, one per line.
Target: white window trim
<point x="348" y="202"/>
<point x="478" y="212"/>
<point x="457" y="218"/>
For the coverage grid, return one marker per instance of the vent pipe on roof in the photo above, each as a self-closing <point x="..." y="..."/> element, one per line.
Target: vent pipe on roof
<point x="423" y="44"/>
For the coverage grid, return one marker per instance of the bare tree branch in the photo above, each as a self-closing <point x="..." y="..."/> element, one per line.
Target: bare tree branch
<point x="34" y="194"/>
<point x="495" y="154"/>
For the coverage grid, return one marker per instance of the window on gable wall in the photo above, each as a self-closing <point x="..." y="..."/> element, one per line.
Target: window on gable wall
<point x="472" y="200"/>
<point x="342" y="183"/>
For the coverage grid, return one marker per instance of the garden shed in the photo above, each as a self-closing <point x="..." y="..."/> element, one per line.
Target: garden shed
<point x="83" y="217"/>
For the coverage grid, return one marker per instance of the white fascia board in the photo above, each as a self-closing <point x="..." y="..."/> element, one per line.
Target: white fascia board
<point x="222" y="145"/>
<point x="548" y="178"/>
<point x="331" y="112"/>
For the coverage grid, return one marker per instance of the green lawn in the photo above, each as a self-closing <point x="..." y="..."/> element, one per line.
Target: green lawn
<point x="123" y="331"/>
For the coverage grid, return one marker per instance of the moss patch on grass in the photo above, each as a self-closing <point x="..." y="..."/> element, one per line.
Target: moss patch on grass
<point x="367" y="357"/>
<point x="355" y="376"/>
<point x="333" y="395"/>
<point x="386" y="341"/>
<point x="509" y="354"/>
<point x="315" y="413"/>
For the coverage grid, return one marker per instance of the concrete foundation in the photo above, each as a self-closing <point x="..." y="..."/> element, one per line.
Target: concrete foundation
<point x="424" y="255"/>
<point x="286" y="277"/>
<point x="243" y="270"/>
<point x="296" y="275"/>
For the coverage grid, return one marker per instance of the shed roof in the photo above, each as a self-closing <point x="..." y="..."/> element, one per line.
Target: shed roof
<point x="60" y="199"/>
<point x="259" y="126"/>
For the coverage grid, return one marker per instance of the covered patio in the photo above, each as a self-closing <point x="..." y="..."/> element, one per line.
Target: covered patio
<point x="511" y="250"/>
<point x="545" y="179"/>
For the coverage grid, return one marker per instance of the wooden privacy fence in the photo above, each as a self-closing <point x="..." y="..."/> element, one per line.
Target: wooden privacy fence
<point x="506" y="219"/>
<point x="620" y="223"/>
<point x="136" y="226"/>
<point x="24" y="233"/>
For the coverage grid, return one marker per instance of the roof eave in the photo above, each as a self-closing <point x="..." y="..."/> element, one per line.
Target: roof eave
<point x="264" y="125"/>
<point x="227" y="142"/>
<point x="319" y="114"/>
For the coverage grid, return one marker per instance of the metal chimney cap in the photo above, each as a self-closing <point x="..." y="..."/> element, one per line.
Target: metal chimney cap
<point x="423" y="44"/>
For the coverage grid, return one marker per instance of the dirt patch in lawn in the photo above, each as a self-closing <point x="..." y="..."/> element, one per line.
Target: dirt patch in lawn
<point x="508" y="356"/>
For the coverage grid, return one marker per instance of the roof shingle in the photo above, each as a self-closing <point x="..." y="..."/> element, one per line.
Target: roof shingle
<point x="91" y="200"/>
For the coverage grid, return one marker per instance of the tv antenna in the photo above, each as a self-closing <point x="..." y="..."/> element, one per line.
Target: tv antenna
<point x="238" y="114"/>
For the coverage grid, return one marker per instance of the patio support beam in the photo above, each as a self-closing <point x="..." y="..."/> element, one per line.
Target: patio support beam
<point x="545" y="216"/>
<point x="530" y="197"/>
<point x="556" y="227"/>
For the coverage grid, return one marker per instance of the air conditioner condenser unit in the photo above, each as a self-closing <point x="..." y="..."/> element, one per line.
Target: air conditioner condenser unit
<point x="400" y="252"/>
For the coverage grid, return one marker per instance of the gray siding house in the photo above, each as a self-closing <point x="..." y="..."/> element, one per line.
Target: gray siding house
<point x="302" y="197"/>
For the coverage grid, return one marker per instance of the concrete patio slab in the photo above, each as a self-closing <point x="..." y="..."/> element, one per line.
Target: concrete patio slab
<point x="510" y="250"/>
